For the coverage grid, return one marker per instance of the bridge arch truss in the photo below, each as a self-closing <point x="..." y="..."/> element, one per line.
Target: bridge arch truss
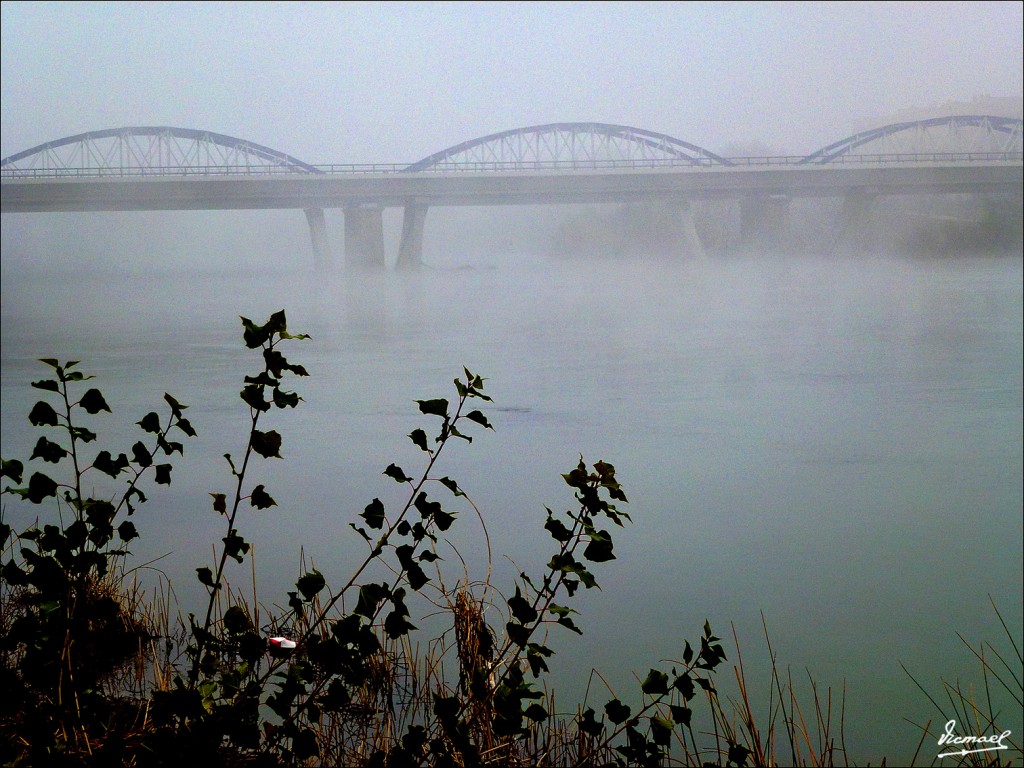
<point x="150" y="150"/>
<point x="966" y="135"/>
<point x="568" y="146"/>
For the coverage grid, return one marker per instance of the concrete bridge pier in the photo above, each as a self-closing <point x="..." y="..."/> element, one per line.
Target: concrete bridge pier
<point x="410" y="250"/>
<point x="855" y="226"/>
<point x="764" y="221"/>
<point x="322" y="259"/>
<point x="364" y="238"/>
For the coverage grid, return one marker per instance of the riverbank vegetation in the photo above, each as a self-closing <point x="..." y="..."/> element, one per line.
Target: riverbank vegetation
<point x="98" y="671"/>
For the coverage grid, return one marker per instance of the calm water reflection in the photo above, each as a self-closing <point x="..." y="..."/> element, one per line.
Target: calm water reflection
<point x="834" y="443"/>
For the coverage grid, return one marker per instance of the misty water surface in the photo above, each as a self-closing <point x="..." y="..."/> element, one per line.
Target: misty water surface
<point x="836" y="443"/>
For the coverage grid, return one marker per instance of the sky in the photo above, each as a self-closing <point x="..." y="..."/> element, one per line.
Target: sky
<point x="395" y="82"/>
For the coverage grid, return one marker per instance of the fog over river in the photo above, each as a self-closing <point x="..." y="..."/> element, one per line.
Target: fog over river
<point x="833" y="442"/>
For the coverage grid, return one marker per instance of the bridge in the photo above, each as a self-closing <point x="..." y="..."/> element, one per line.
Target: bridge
<point x="163" y="168"/>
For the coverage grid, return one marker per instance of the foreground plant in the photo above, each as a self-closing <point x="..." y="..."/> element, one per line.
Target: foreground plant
<point x="70" y="625"/>
<point x="973" y="719"/>
<point x="336" y="676"/>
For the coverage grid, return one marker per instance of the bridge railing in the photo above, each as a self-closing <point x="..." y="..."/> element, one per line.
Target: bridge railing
<point x="697" y="163"/>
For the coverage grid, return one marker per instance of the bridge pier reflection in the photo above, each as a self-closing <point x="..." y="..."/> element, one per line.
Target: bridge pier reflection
<point x="685" y="233"/>
<point x="364" y="238"/>
<point x="410" y="250"/>
<point x="765" y="221"/>
<point x="322" y="259"/>
<point x="855" y="233"/>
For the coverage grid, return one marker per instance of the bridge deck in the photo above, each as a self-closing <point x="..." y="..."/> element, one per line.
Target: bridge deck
<point x="465" y="188"/>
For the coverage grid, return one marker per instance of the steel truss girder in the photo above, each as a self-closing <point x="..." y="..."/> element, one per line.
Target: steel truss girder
<point x="951" y="134"/>
<point x="568" y="144"/>
<point x="152" y="147"/>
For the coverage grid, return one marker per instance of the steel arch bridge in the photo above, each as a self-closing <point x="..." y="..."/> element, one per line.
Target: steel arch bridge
<point x="568" y="146"/>
<point x="168" y="151"/>
<point x="152" y="150"/>
<point x="953" y="136"/>
<point x="165" y="168"/>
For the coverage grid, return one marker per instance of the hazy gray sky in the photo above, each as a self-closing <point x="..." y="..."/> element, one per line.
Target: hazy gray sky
<point x="394" y="82"/>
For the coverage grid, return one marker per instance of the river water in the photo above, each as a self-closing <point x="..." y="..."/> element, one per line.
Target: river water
<point x="834" y="443"/>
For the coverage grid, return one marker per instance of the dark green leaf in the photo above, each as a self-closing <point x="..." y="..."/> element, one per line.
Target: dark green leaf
<point x="275" y="362"/>
<point x="536" y="712"/>
<point x="48" y="384"/>
<point x="163" y="474"/>
<point x="425" y="507"/>
<point x="521" y="608"/>
<point x="261" y="499"/>
<point x="443" y="520"/>
<point x="48" y="451"/>
<point x="142" y="455"/>
<point x="12" y="468"/>
<point x="266" y="444"/>
<point x="176" y="407"/>
<point x="304" y="744"/>
<point x="419" y="438"/>
<point x="205" y="576"/>
<point x="43" y="415"/>
<point x="254" y="335"/>
<point x="589" y="725"/>
<point x="479" y="418"/>
<point x="13" y="575"/>
<point x="374" y="514"/>
<point x="415" y="575"/>
<point x="738" y="754"/>
<point x="83" y="434"/>
<point x="438" y="407"/>
<point x="134" y="491"/>
<point x="311" y="584"/>
<point x="219" y="503"/>
<point x="40" y="487"/>
<point x="661" y="731"/>
<point x="284" y="399"/>
<point x="337" y="696"/>
<point x="236" y="620"/>
<point x="557" y="529"/>
<point x="395" y="472"/>
<point x="656" y="683"/>
<point x="235" y="546"/>
<point x="150" y="422"/>
<point x="617" y="711"/>
<point x="517" y="633"/>
<point x="253" y="397"/>
<point x="599" y="550"/>
<point x="451" y="485"/>
<point x="92" y="401"/>
<point x="126" y="531"/>
<point x="185" y="426"/>
<point x="680" y="714"/>
<point x="684" y="684"/>
<point x="568" y="623"/>
<point x="535" y="655"/>
<point x="169" y="446"/>
<point x="370" y="596"/>
<point x="104" y="463"/>
<point x="397" y="625"/>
